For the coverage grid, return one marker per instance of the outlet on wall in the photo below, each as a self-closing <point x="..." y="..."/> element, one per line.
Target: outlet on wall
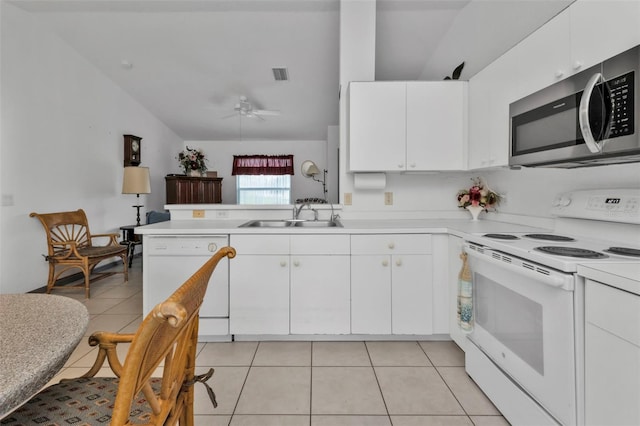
<point x="388" y="198"/>
<point x="347" y="198"/>
<point x="198" y="213"/>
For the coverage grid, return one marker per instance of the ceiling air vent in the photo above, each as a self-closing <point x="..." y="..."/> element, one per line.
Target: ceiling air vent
<point x="280" y="74"/>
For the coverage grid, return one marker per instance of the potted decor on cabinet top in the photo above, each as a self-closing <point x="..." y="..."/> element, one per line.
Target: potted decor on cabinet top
<point x="478" y="198"/>
<point x="193" y="162"/>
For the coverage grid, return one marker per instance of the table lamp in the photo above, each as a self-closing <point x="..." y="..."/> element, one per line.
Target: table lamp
<point x="136" y="181"/>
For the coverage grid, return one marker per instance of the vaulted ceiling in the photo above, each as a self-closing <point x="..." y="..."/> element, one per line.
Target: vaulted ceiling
<point x="189" y="61"/>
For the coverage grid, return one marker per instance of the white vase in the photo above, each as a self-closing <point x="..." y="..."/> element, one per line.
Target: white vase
<point x="475" y="211"/>
<point x="195" y="173"/>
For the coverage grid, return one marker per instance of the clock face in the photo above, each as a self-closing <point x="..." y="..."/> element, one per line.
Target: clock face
<point x="135" y="146"/>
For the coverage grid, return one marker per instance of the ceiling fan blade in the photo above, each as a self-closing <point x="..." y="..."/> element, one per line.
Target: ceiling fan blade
<point x="266" y="112"/>
<point x="235" y="114"/>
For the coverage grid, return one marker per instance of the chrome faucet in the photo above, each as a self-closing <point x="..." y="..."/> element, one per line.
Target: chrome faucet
<point x="297" y="210"/>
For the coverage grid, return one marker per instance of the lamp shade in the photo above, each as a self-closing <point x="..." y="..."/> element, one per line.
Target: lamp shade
<point x="136" y="180"/>
<point x="309" y="168"/>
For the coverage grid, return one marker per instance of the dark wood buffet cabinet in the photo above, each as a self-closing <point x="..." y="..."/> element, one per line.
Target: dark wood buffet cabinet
<point x="193" y="190"/>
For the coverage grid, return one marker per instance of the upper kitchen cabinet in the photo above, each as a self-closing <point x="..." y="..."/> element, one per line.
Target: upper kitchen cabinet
<point x="584" y="34"/>
<point x="377" y="126"/>
<point x="602" y="29"/>
<point x="407" y="126"/>
<point x="490" y="93"/>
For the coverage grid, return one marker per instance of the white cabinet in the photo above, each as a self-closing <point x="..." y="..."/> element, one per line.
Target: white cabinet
<point x="290" y="284"/>
<point x="602" y="29"/>
<point x="391" y="284"/>
<point x="490" y="93"/>
<point x="377" y="126"/>
<point x="259" y="295"/>
<point x="320" y="284"/>
<point x="612" y="356"/>
<point x="407" y="126"/>
<point x="436" y="125"/>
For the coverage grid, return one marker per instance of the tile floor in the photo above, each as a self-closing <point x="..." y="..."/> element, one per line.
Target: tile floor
<point x="267" y="383"/>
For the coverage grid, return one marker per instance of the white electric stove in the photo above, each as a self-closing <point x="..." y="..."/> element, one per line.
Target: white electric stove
<point x="527" y="351"/>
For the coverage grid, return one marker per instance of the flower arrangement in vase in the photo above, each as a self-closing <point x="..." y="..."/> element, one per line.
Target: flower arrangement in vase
<point x="478" y="198"/>
<point x="192" y="161"/>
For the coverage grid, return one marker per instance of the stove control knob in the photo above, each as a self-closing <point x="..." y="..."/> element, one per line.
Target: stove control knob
<point x="562" y="201"/>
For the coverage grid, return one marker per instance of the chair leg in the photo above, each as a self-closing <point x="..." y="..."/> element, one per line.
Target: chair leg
<point x="86" y="272"/>
<point x="125" y="266"/>
<point x="52" y="276"/>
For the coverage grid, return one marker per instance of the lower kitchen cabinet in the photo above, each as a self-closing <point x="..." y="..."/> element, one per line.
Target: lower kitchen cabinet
<point x="391" y="284"/>
<point x="290" y="284"/>
<point x="320" y="294"/>
<point x="612" y="356"/>
<point x="259" y="293"/>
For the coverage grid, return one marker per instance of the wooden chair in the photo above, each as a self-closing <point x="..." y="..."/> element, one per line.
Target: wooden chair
<point x="168" y="333"/>
<point x="70" y="245"/>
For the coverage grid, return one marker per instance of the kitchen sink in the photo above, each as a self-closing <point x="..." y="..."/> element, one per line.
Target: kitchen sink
<point x="319" y="224"/>
<point x="289" y="223"/>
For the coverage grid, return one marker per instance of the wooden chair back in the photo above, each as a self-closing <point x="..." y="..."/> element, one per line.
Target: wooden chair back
<point x="62" y="227"/>
<point x="168" y="333"/>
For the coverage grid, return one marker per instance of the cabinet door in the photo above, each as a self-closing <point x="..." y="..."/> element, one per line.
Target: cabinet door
<point x="544" y="56"/>
<point x="259" y="294"/>
<point x="371" y="294"/>
<point x="320" y="295"/>
<point x="411" y="294"/>
<point x="377" y="126"/>
<point x="479" y="119"/>
<point x="602" y="29"/>
<point x="436" y="125"/>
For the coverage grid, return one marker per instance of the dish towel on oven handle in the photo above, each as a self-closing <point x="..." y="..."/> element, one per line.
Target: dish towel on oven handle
<point x="465" y="296"/>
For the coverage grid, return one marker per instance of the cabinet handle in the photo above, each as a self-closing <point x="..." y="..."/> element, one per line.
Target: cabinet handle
<point x="392" y="246"/>
<point x="296" y="263"/>
<point x="283" y="263"/>
<point x="213" y="247"/>
<point x="400" y="166"/>
<point x="577" y="65"/>
<point x="385" y="263"/>
<point x="399" y="262"/>
<point x="559" y="73"/>
<point x="412" y="165"/>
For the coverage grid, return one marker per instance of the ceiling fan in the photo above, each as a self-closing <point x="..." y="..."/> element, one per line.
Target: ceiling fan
<point x="245" y="109"/>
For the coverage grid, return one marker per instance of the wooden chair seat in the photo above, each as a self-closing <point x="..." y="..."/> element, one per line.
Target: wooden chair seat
<point x="168" y="335"/>
<point x="70" y="246"/>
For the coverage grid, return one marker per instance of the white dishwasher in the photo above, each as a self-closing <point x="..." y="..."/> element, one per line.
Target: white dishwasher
<point x="169" y="260"/>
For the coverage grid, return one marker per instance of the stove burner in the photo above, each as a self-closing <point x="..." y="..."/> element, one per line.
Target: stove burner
<point x="624" y="251"/>
<point x="549" y="237"/>
<point x="501" y="236"/>
<point x="571" y="252"/>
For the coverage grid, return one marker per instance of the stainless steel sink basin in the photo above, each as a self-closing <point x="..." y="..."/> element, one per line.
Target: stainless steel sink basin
<point x="278" y="223"/>
<point x="267" y="224"/>
<point x="318" y="224"/>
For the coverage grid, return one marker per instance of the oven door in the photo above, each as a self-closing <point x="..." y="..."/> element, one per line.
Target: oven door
<point x="524" y="324"/>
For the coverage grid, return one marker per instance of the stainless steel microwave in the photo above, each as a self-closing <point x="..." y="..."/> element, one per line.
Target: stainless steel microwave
<point x="588" y="119"/>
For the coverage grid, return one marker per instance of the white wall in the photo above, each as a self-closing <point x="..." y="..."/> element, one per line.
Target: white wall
<point x="220" y="154"/>
<point x="62" y="147"/>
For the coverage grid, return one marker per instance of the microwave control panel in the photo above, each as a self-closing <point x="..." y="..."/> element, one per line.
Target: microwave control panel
<point x="621" y="90"/>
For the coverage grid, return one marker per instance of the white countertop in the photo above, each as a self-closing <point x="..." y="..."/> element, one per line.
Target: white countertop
<point x="625" y="276"/>
<point x="350" y="226"/>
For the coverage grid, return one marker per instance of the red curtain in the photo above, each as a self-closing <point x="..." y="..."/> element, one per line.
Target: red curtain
<point x="262" y="165"/>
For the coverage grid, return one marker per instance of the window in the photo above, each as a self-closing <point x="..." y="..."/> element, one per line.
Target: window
<point x="263" y="189"/>
<point x="263" y="179"/>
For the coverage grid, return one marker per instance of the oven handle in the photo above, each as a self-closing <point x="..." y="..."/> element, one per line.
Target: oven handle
<point x="557" y="281"/>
